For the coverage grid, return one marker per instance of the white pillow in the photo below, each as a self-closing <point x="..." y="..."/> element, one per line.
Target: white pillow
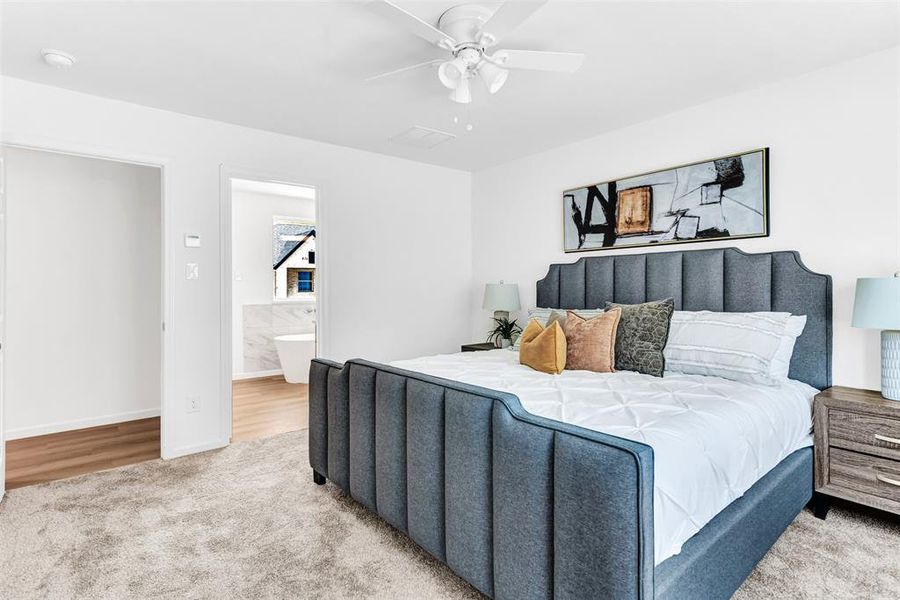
<point x="749" y="347"/>
<point x="781" y="363"/>
<point x="542" y="314"/>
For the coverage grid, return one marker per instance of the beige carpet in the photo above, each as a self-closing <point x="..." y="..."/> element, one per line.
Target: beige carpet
<point x="247" y="522"/>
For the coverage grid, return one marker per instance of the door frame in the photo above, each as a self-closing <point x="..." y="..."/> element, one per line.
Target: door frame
<point x="2" y="320"/>
<point x="167" y="324"/>
<point x="226" y="174"/>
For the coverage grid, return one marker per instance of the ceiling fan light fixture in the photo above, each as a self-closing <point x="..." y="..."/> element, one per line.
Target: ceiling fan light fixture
<point x="493" y="76"/>
<point x="467" y="32"/>
<point x="462" y="93"/>
<point x="452" y="73"/>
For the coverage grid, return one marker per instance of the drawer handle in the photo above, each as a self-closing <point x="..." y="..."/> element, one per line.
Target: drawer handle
<point x="889" y="440"/>
<point x="887" y="480"/>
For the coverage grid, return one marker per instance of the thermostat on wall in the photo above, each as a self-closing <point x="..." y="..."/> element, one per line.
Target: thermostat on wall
<point x="191" y="240"/>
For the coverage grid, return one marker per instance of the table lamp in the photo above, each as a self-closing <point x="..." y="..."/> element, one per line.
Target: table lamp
<point x="877" y="306"/>
<point x="501" y="298"/>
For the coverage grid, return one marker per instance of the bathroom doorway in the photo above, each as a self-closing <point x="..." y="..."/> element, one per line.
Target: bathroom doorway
<point x="275" y="287"/>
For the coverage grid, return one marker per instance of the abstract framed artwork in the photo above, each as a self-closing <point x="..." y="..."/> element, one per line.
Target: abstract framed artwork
<point x="716" y="199"/>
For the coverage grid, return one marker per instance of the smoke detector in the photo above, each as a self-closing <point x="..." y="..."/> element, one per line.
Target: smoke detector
<point x="57" y="58"/>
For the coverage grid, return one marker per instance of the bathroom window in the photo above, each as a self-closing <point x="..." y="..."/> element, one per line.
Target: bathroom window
<point x="293" y="258"/>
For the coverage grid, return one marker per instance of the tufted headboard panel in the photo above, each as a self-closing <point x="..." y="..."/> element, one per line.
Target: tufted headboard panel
<point x="721" y="279"/>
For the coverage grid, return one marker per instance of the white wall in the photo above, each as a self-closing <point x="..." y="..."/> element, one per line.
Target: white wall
<point x="834" y="197"/>
<point x="83" y="293"/>
<point x="419" y="214"/>
<point x="251" y="254"/>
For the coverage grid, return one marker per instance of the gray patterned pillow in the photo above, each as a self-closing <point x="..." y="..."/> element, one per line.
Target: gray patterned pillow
<point x="642" y="334"/>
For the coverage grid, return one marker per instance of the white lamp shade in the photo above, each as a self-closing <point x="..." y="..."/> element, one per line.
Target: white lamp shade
<point x="452" y="73"/>
<point x="877" y="303"/>
<point x="493" y="76"/>
<point x="501" y="296"/>
<point x="462" y="94"/>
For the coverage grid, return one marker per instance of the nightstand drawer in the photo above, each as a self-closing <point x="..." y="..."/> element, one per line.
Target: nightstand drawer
<point x="862" y="432"/>
<point x="865" y="474"/>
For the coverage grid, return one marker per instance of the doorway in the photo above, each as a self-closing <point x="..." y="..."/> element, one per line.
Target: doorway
<point x="275" y="285"/>
<point x="83" y="347"/>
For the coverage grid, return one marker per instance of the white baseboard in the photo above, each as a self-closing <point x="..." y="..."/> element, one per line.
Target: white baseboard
<point x="255" y="375"/>
<point x="34" y="430"/>
<point x="186" y="450"/>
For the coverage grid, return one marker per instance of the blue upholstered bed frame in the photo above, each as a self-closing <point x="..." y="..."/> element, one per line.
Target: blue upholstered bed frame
<point x="525" y="507"/>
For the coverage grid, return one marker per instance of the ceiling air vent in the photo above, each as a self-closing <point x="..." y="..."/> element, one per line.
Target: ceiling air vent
<point x="422" y="137"/>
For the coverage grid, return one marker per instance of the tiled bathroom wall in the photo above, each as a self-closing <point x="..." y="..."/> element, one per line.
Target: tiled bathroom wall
<point x="262" y="322"/>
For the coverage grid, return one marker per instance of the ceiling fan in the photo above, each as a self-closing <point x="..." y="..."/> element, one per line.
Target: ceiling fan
<point x="468" y="32"/>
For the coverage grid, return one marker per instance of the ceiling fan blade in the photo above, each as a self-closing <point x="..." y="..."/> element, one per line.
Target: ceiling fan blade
<point x="411" y="23"/>
<point x="510" y="15"/>
<point x="537" y="60"/>
<point x="428" y="63"/>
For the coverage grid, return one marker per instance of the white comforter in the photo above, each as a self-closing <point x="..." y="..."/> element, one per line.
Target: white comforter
<point x="712" y="438"/>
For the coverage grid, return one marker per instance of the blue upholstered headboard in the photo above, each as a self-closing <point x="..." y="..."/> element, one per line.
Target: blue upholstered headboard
<point x="721" y="279"/>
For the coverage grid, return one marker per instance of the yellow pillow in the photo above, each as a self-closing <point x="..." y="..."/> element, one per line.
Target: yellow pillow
<point x="543" y="348"/>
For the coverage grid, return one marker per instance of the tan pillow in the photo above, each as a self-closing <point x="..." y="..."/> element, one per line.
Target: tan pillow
<point x="543" y="348"/>
<point x="591" y="343"/>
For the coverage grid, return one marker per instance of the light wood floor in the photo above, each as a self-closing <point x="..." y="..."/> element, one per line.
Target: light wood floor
<point x="268" y="406"/>
<point x="261" y="408"/>
<point x="69" y="453"/>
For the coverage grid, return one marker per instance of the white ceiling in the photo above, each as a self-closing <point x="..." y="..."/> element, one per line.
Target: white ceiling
<point x="298" y="67"/>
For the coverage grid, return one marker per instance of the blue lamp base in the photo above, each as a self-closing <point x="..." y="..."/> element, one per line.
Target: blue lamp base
<point x="890" y="364"/>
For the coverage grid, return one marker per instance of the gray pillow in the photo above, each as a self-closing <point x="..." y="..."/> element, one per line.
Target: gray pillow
<point x="558" y="317"/>
<point x="543" y="316"/>
<point x="641" y="336"/>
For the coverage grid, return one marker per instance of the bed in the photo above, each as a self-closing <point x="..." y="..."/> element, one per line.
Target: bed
<point x="522" y="505"/>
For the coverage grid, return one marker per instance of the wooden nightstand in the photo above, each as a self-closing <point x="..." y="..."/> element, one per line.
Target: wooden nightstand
<point x="478" y="347"/>
<point x="857" y="447"/>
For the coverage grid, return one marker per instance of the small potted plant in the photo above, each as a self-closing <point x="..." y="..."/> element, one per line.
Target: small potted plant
<point x="503" y="332"/>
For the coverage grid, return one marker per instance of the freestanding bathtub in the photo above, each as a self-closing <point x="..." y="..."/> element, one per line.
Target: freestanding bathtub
<point x="295" y="352"/>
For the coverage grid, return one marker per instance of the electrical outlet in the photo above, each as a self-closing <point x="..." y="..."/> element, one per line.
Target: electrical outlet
<point x="193" y="403"/>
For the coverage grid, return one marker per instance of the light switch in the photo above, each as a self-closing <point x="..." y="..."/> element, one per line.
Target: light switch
<point x="191" y="240"/>
<point x="192" y="271"/>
